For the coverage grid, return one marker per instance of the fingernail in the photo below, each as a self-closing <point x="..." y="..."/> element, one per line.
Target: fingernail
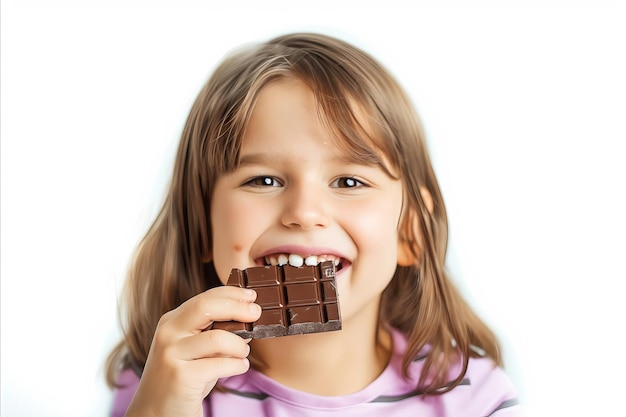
<point x="254" y="308"/>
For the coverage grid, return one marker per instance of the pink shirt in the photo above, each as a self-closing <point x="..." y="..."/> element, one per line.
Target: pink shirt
<point x="485" y="391"/>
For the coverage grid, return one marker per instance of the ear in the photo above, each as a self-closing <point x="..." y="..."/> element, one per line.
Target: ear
<point x="410" y="234"/>
<point x="427" y="197"/>
<point x="405" y="255"/>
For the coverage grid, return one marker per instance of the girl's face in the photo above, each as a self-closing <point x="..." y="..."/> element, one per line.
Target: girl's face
<point x="294" y="194"/>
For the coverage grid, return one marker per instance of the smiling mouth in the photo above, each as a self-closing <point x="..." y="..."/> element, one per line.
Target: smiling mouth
<point x="280" y="259"/>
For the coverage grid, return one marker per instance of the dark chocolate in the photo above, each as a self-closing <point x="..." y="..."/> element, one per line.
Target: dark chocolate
<point x="294" y="300"/>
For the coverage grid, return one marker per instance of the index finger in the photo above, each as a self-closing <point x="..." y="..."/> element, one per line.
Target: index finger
<point x="217" y="304"/>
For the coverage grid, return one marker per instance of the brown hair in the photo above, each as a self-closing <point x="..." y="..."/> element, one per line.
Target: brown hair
<point x="370" y="115"/>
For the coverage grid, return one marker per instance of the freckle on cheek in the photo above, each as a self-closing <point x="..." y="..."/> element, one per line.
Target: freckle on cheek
<point x="237" y="248"/>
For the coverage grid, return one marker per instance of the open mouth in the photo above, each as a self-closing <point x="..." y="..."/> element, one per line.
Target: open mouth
<point x="299" y="260"/>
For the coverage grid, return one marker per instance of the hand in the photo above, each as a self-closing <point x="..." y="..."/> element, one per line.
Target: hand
<point x="186" y="360"/>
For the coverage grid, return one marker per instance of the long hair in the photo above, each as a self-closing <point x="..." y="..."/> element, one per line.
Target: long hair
<point x="371" y="117"/>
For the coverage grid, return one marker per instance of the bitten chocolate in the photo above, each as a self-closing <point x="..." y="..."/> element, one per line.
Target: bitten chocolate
<point x="294" y="300"/>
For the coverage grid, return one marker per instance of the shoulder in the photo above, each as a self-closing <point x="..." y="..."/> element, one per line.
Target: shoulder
<point x="490" y="388"/>
<point x="483" y="372"/>
<point x="127" y="383"/>
<point x="485" y="390"/>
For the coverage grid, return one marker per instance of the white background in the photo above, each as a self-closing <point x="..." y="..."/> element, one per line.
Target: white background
<point x="524" y="105"/>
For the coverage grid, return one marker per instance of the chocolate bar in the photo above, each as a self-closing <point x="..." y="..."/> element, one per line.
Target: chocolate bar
<point x="294" y="300"/>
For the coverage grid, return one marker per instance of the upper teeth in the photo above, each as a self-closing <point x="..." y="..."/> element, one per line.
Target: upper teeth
<point x="297" y="260"/>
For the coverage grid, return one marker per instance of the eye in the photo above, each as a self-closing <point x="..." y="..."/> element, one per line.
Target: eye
<point x="263" y="181"/>
<point x="347" y="182"/>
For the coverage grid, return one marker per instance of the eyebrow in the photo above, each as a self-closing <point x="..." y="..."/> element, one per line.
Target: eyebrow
<point x="269" y="158"/>
<point x="256" y="158"/>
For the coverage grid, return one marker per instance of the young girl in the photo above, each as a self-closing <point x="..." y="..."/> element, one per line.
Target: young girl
<point x="303" y="147"/>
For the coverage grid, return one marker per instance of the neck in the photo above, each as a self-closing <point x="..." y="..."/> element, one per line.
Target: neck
<point x="330" y="363"/>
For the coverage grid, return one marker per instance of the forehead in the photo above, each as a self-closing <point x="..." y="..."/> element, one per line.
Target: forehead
<point x="288" y="109"/>
<point x="285" y="107"/>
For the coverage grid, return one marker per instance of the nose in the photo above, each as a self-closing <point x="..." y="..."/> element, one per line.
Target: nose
<point x="305" y="208"/>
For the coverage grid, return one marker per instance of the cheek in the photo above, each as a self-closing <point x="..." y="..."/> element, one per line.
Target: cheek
<point x="376" y="236"/>
<point x="234" y="231"/>
<point x="379" y="225"/>
<point x="377" y="231"/>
